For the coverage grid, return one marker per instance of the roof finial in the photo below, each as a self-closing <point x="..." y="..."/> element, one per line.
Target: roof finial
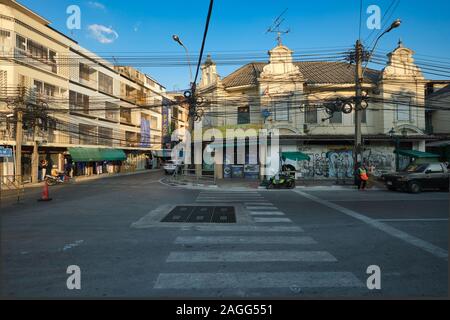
<point x="400" y="43"/>
<point x="208" y="61"/>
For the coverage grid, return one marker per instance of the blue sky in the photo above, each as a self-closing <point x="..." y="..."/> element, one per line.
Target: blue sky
<point x="240" y="25"/>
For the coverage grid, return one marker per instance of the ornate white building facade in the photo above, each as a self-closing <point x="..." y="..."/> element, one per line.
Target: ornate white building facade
<point x="291" y="95"/>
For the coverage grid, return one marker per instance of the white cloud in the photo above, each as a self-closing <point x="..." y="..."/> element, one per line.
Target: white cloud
<point x="97" y="5"/>
<point x="103" y="34"/>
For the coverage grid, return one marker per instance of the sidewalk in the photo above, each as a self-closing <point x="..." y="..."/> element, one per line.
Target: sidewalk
<point x="88" y="178"/>
<point x="243" y="184"/>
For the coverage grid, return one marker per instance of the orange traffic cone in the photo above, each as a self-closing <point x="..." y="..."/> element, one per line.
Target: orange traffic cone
<point x="45" y="196"/>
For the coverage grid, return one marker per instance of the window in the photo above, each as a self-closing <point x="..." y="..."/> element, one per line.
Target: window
<point x="311" y="114"/>
<point x="403" y="111"/>
<point x="336" y="118"/>
<point x="105" y="136"/>
<point x="243" y="115"/>
<point x="52" y="59"/>
<point x="154" y="123"/>
<point x="78" y="102"/>
<point x="435" y="168"/>
<point x="49" y="90"/>
<point x="21" y="42"/>
<point x="112" y="111"/>
<point x="363" y="116"/>
<point x="105" y="83"/>
<point x="84" y="72"/>
<point x="130" y="92"/>
<point x="36" y="50"/>
<point x="131" y="138"/>
<point x="125" y="115"/>
<point x="281" y="111"/>
<point x="88" y="134"/>
<point x="38" y="87"/>
<point x="4" y="37"/>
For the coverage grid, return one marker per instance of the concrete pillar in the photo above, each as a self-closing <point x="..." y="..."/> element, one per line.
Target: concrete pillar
<point x="218" y="168"/>
<point x="420" y="145"/>
<point x="60" y="162"/>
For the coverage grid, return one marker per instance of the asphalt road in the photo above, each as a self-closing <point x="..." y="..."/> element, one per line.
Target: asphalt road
<point x="292" y="244"/>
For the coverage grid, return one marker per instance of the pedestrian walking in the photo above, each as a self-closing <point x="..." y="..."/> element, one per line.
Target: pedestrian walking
<point x="44" y="165"/>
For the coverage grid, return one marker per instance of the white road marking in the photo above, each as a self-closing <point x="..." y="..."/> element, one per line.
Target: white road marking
<point x="413" y="220"/>
<point x="385" y="199"/>
<point x="261" y="208"/>
<point x="272" y="220"/>
<point x="262" y="203"/>
<point x="250" y="256"/>
<point x="220" y="200"/>
<point x="266" y="213"/>
<point x="257" y="280"/>
<point x="72" y="245"/>
<point x="243" y="240"/>
<point x="248" y="228"/>
<point x="412" y="240"/>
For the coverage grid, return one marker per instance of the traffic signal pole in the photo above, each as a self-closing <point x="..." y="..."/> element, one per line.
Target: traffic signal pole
<point x="19" y="135"/>
<point x="358" y="98"/>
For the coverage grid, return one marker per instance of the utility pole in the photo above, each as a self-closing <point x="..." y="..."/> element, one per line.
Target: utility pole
<point x="35" y="156"/>
<point x="358" y="98"/>
<point x="19" y="124"/>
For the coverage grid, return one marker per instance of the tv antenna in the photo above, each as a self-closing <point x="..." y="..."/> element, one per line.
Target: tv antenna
<point x="276" y="27"/>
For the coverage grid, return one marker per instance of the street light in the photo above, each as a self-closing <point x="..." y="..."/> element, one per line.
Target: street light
<point x="176" y="38"/>
<point x="359" y="78"/>
<point x="393" y="26"/>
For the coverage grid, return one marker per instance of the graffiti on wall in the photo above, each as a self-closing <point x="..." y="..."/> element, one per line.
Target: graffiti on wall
<point x="379" y="162"/>
<point x="332" y="164"/>
<point x="339" y="164"/>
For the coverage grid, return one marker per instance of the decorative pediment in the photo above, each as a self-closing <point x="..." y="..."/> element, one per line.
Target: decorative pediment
<point x="281" y="65"/>
<point x="401" y="64"/>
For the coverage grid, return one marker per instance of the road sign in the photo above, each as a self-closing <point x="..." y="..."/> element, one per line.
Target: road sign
<point x="5" y="152"/>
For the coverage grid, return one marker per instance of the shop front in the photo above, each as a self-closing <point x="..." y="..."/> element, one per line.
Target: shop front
<point x="90" y="161"/>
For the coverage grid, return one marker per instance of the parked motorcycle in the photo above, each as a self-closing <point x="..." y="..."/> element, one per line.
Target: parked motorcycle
<point x="281" y="181"/>
<point x="51" y="180"/>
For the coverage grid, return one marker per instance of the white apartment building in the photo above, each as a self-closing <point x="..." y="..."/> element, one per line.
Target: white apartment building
<point x="100" y="117"/>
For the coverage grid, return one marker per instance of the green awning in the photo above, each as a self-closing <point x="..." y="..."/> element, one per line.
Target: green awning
<point x="296" y="156"/>
<point x="416" y="154"/>
<point x="113" y="154"/>
<point x="96" y="154"/>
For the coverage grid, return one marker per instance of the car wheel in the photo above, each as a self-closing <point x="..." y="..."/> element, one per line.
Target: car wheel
<point x="391" y="188"/>
<point x="414" y="187"/>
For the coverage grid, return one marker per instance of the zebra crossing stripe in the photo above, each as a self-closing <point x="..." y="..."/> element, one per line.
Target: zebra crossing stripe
<point x="273" y="220"/>
<point x="248" y="228"/>
<point x="250" y="256"/>
<point x="257" y="280"/>
<point x="261" y="208"/>
<point x="244" y="240"/>
<point x="266" y="213"/>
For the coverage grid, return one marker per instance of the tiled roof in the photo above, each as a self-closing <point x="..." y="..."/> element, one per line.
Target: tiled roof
<point x="313" y="72"/>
